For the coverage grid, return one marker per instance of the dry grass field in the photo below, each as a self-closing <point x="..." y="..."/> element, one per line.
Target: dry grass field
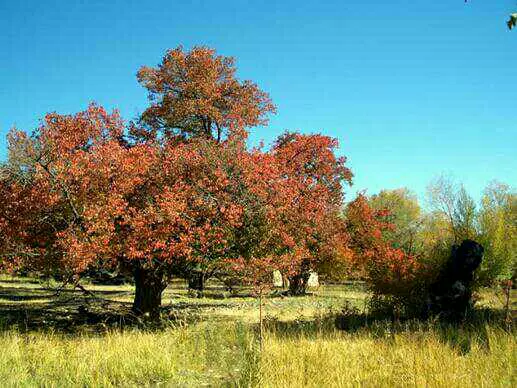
<point x="72" y="339"/>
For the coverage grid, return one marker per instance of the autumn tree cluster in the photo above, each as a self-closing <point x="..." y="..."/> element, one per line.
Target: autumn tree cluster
<point x="176" y="191"/>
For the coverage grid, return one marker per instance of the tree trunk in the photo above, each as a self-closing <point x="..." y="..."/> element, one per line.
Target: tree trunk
<point x="298" y="283"/>
<point x="149" y="285"/>
<point x="196" y="281"/>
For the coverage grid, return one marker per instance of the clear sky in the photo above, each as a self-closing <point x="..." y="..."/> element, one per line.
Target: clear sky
<point x="411" y="89"/>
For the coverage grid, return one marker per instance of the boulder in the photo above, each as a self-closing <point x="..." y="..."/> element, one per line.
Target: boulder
<point x="277" y="279"/>
<point x="313" y="280"/>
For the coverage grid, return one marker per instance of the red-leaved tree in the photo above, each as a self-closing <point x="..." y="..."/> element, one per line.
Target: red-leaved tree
<point x="178" y="191"/>
<point x="148" y="208"/>
<point x="311" y="200"/>
<point x="196" y="94"/>
<point x="389" y="271"/>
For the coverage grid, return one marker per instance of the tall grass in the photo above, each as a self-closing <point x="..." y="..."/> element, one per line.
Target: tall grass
<point x="226" y="354"/>
<point x="192" y="356"/>
<point x="425" y="358"/>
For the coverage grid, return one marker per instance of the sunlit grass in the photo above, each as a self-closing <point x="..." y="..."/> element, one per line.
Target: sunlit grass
<point x="213" y="341"/>
<point x="177" y="356"/>
<point x="403" y="359"/>
<point x="227" y="354"/>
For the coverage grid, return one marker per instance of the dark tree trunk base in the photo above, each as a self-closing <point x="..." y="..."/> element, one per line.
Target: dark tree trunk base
<point x="196" y="282"/>
<point x="298" y="284"/>
<point x="149" y="285"/>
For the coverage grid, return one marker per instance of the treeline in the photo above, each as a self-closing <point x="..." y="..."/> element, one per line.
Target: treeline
<point x="428" y="234"/>
<point x="449" y="216"/>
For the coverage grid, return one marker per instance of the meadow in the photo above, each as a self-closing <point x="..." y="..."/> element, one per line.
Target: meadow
<point x="75" y="339"/>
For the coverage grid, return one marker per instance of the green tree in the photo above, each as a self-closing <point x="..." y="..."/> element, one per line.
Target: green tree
<point x="455" y="217"/>
<point x="498" y="233"/>
<point x="451" y="201"/>
<point x="404" y="213"/>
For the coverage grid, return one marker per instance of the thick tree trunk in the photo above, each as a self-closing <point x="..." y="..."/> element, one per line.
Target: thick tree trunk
<point x="149" y="285"/>
<point x="196" y="282"/>
<point x="298" y="283"/>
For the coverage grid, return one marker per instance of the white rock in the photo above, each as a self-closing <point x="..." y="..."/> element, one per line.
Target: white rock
<point x="313" y="280"/>
<point x="277" y="279"/>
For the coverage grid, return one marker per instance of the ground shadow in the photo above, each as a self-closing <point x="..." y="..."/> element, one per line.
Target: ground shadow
<point x="21" y="281"/>
<point x="71" y="311"/>
<point x="20" y="294"/>
<point x="23" y="310"/>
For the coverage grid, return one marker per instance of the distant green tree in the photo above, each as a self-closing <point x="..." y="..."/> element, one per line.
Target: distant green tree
<point x="451" y="219"/>
<point x="435" y="238"/>
<point x="465" y="215"/>
<point x="404" y="213"/>
<point x="455" y="217"/>
<point x="498" y="233"/>
<point x="452" y="202"/>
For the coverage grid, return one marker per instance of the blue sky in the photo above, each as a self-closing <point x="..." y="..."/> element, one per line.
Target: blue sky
<point x="411" y="89"/>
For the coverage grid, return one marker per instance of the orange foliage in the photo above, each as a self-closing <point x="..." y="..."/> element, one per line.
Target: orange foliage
<point x="196" y="93"/>
<point x="167" y="204"/>
<point x="183" y="187"/>
<point x="389" y="270"/>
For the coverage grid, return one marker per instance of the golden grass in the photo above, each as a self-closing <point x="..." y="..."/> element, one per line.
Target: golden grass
<point x="226" y="354"/>
<point x="406" y="359"/>
<point x="180" y="356"/>
<point x="301" y="346"/>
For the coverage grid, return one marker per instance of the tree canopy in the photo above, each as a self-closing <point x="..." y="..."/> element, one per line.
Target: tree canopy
<point x="196" y="93"/>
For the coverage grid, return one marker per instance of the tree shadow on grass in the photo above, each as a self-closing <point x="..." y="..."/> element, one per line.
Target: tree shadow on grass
<point x="21" y="281"/>
<point x="68" y="312"/>
<point x="17" y="294"/>
<point x="26" y="309"/>
<point x="72" y="311"/>
<point x="20" y="294"/>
